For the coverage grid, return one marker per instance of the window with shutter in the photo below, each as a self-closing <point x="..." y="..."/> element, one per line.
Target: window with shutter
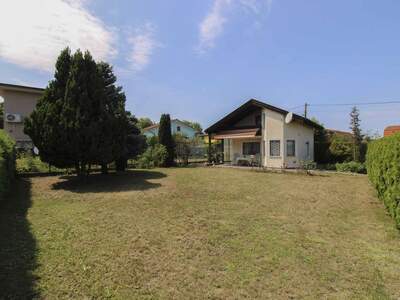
<point x="290" y="148"/>
<point x="275" y="148"/>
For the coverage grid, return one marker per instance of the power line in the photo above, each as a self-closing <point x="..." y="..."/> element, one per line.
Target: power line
<point x="308" y="105"/>
<point x="358" y="103"/>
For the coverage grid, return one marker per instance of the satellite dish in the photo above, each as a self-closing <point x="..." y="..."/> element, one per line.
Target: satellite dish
<point x="289" y="118"/>
<point x="36" y="151"/>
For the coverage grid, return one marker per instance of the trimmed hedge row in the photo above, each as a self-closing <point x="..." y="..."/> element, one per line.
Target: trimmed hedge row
<point x="7" y="162"/>
<point x="383" y="165"/>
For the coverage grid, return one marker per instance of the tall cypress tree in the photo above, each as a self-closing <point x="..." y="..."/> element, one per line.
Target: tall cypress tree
<point x="165" y="138"/>
<point x="356" y="130"/>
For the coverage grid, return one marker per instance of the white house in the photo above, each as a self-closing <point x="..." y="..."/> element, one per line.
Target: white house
<point x="265" y="134"/>
<point x="19" y="102"/>
<point x="177" y="126"/>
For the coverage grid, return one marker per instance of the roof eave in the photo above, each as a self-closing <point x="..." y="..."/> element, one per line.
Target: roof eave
<point x="20" y="88"/>
<point x="267" y="106"/>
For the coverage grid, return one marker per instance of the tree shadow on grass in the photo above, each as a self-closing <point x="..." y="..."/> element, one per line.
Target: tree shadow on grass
<point x="17" y="245"/>
<point x="132" y="180"/>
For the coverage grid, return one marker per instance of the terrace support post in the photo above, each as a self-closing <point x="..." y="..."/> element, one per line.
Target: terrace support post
<point x="209" y="148"/>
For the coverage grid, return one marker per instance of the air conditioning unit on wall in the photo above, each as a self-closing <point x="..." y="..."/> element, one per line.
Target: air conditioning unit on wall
<point x="13" y="118"/>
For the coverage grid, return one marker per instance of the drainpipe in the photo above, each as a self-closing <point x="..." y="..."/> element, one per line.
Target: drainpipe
<point x="209" y="148"/>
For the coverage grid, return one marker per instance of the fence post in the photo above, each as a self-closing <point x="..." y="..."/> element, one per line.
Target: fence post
<point x="209" y="148"/>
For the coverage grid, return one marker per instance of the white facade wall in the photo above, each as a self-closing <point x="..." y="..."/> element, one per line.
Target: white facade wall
<point x="304" y="143"/>
<point x="273" y="130"/>
<point x="22" y="103"/>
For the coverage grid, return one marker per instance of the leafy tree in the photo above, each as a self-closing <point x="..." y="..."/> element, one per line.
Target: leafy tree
<point x="144" y="122"/>
<point x="356" y="130"/>
<point x="183" y="148"/>
<point x="340" y="148"/>
<point x="195" y="125"/>
<point x="136" y="143"/>
<point x="165" y="138"/>
<point x="1" y="115"/>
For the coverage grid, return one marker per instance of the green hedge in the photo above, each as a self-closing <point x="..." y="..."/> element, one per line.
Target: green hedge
<point x="383" y="165"/>
<point x="7" y="162"/>
<point x="352" y="167"/>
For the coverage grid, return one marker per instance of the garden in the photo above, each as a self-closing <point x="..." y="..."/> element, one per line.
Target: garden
<point x="197" y="233"/>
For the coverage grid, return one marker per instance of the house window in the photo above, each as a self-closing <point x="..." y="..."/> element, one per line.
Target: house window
<point x="275" y="148"/>
<point x="178" y="128"/>
<point x="251" y="148"/>
<point x="308" y="150"/>
<point x="290" y="148"/>
<point x="258" y="121"/>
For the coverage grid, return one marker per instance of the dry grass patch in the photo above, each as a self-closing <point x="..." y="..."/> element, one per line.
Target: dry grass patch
<point x="198" y="233"/>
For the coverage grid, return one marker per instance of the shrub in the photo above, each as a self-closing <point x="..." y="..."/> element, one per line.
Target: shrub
<point x="327" y="167"/>
<point x="27" y="163"/>
<point x="383" y="165"/>
<point x="341" y="148"/>
<point x="351" y="166"/>
<point x="183" y="148"/>
<point x="153" y="157"/>
<point x="7" y="162"/>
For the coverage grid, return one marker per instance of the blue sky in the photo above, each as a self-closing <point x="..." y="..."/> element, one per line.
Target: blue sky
<point x="200" y="59"/>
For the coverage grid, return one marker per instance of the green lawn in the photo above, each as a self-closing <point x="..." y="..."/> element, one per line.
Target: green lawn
<point x="195" y="233"/>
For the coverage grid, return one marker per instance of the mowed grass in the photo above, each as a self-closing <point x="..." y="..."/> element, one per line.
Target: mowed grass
<point x="196" y="233"/>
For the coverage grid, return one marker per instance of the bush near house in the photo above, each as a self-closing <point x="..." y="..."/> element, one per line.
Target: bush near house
<point x="155" y="156"/>
<point x="383" y="165"/>
<point x="7" y="162"/>
<point x="351" y="166"/>
<point x="28" y="163"/>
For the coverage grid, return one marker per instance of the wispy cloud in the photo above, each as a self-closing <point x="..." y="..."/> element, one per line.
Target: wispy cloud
<point x="43" y="28"/>
<point x="143" y="44"/>
<point x="212" y="26"/>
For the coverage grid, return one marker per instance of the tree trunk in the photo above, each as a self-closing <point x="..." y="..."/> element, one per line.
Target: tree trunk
<point x="104" y="169"/>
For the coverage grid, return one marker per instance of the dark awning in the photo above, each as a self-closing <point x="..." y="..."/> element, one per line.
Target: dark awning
<point x="237" y="134"/>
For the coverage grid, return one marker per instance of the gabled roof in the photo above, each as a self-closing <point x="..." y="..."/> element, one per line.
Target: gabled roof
<point x="20" y="88"/>
<point x="248" y="107"/>
<point x="173" y="120"/>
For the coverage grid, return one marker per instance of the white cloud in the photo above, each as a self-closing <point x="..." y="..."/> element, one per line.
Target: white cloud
<point x="143" y="44"/>
<point x="212" y="26"/>
<point x="32" y="33"/>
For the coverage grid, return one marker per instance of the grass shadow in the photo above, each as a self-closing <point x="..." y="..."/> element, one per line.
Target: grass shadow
<point x="130" y="180"/>
<point x="17" y="245"/>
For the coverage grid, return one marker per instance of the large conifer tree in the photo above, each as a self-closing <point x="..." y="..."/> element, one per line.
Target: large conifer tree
<point x="81" y="118"/>
<point x="165" y="138"/>
<point x="44" y="126"/>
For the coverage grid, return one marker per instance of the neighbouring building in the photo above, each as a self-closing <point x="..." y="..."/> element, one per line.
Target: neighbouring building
<point x="391" y="130"/>
<point x="19" y="102"/>
<point x="266" y="135"/>
<point x="177" y="127"/>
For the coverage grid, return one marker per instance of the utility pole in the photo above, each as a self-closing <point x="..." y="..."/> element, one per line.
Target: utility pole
<point x="305" y="109"/>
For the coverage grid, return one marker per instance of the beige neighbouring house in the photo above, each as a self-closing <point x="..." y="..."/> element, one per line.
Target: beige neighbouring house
<point x="265" y="135"/>
<point x="19" y="102"/>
